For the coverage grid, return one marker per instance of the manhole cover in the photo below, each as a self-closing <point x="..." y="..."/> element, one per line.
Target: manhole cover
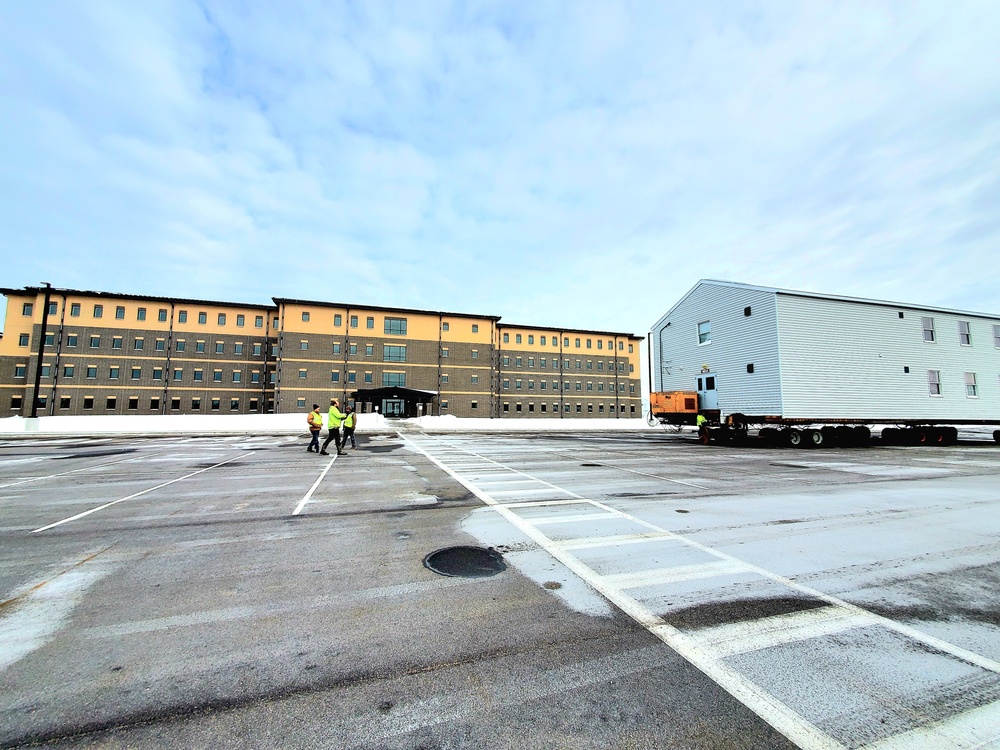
<point x="465" y="562"/>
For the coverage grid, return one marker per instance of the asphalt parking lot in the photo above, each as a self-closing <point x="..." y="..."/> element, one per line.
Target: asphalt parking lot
<point x="239" y="592"/>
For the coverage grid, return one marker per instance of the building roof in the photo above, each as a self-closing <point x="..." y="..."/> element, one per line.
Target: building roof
<point x="818" y="295"/>
<point x="352" y="306"/>
<point x="557" y="329"/>
<point x="34" y="290"/>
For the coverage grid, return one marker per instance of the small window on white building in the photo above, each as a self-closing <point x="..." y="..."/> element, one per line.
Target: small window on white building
<point x="971" y="389"/>
<point x="996" y="336"/>
<point x="928" y="325"/>
<point x="964" y="333"/>
<point x="705" y="332"/>
<point x="934" y="382"/>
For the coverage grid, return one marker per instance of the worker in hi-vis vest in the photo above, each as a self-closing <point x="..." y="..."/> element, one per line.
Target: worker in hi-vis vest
<point x="334" y="419"/>
<point x="702" y="423"/>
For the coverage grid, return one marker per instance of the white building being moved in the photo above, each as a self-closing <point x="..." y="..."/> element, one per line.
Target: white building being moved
<point x="756" y="350"/>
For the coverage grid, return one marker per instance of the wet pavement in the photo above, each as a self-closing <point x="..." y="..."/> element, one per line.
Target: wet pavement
<point x="651" y="592"/>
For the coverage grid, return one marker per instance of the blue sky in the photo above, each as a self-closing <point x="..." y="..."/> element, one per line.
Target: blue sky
<point x="577" y="164"/>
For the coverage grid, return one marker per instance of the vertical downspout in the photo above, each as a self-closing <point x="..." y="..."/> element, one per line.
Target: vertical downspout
<point x="41" y="351"/>
<point x="617" y="403"/>
<point x="279" y="359"/>
<point x="167" y="362"/>
<point x="562" y="383"/>
<point x="55" y="371"/>
<point x="347" y="355"/>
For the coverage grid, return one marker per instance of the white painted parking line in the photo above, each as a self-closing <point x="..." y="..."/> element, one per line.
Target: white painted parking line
<point x="137" y="494"/>
<point x="67" y="473"/>
<point x="704" y="650"/>
<point x="572" y="519"/>
<point x="754" y="635"/>
<point x="544" y="503"/>
<point x="309" y="494"/>
<point x="978" y="729"/>
<point x="676" y="574"/>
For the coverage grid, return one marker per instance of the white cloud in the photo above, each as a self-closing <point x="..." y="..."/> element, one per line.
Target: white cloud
<point x="574" y="164"/>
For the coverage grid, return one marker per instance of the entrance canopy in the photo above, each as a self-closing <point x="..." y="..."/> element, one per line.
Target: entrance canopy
<point x="397" y="402"/>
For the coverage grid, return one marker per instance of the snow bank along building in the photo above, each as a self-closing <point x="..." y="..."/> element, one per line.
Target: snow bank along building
<point x="764" y="351"/>
<point x="86" y="352"/>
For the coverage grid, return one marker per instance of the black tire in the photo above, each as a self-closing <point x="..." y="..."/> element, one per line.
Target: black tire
<point x="829" y="436"/>
<point x="996" y="435"/>
<point x="862" y="435"/>
<point x="794" y="438"/>
<point x="892" y="436"/>
<point x="813" y="438"/>
<point x="845" y="435"/>
<point x="950" y="435"/>
<point x="651" y="420"/>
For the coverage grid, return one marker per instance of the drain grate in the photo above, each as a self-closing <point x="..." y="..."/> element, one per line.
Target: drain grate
<point x="465" y="562"/>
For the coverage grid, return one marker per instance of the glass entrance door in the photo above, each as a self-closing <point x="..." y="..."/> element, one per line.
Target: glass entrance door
<point x="393" y="407"/>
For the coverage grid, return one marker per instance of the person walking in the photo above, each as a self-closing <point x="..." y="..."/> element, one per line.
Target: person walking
<point x="315" y="420"/>
<point x="350" y="422"/>
<point x="702" y="421"/>
<point x="333" y="421"/>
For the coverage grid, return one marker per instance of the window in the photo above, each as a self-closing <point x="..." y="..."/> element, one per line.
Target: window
<point x="334" y="377"/>
<point x="133" y="402"/>
<point x="600" y="343"/>
<point x="138" y="344"/>
<point x="395" y="326"/>
<point x="369" y="350"/>
<point x="338" y="319"/>
<point x="258" y="322"/>
<point x="98" y="311"/>
<point x="120" y="312"/>
<point x="336" y="348"/>
<point x="237" y="376"/>
<point x="88" y="402"/>
<point x="444" y="352"/>
<point x="474" y="379"/>
<point x="541" y="340"/>
<point x="445" y="326"/>
<point x="517" y="384"/>
<point x="971" y="389"/>
<point x="21" y="371"/>
<point x="161" y="345"/>
<point x="370" y="322"/>
<point x="444" y="378"/>
<point x="71" y="340"/>
<point x="50" y="339"/>
<point x="175" y="404"/>
<point x="705" y="332"/>
<point x="95" y="342"/>
<point x="178" y="374"/>
<point x="368" y="377"/>
<point x="116" y="342"/>
<point x="506" y="361"/>
<point x="140" y="314"/>
<point x="68" y="371"/>
<point x="353" y="349"/>
<point x="566" y="345"/>
<point x="64" y="402"/>
<point x="222" y="319"/>
<point x="220" y="347"/>
<point x="74" y="310"/>
<point x="475" y="354"/>
<point x="46" y="370"/>
<point x="577" y="343"/>
<point x="136" y="373"/>
<point x="182" y="317"/>
<point x="216" y="403"/>
<point x="195" y="404"/>
<point x="180" y="345"/>
<point x="589" y="344"/>
<point x="23" y="339"/>
<point x="27" y="309"/>
<point x="517" y="361"/>
<point x="531" y="339"/>
<point x="475" y="329"/>
<point x="161" y="315"/>
<point x="257" y="349"/>
<point x="305" y="316"/>
<point x="354" y="321"/>
<point x="352" y="377"/>
<point x="234" y="404"/>
<point x="241" y="321"/>
<point x="474" y="404"/>
<point x="154" y="404"/>
<point x="928" y="325"/>
<point x="202" y="318"/>
<point x="111" y="403"/>
<point x="506" y="339"/>
<point x="934" y="382"/>
<point x="517" y="338"/>
<point x="996" y="336"/>
<point x="964" y="333"/>
<point x="303" y="374"/>
<point x="157" y="373"/>
<point x="199" y="375"/>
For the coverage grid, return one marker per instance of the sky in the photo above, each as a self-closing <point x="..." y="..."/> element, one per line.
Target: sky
<point x="577" y="164"/>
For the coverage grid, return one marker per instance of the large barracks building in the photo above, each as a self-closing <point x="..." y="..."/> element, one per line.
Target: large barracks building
<point x="85" y="352"/>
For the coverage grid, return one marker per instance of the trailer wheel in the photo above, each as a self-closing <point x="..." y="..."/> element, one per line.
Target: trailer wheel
<point x="829" y="436"/>
<point x="892" y="436"/>
<point x="862" y="435"/>
<point x="845" y="435"/>
<point x="813" y="438"/>
<point x="950" y="435"/>
<point x="793" y="437"/>
<point x="769" y="435"/>
<point x="651" y="420"/>
<point x="996" y="435"/>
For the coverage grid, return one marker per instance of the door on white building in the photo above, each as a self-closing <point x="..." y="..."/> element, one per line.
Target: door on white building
<point x="708" y="395"/>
